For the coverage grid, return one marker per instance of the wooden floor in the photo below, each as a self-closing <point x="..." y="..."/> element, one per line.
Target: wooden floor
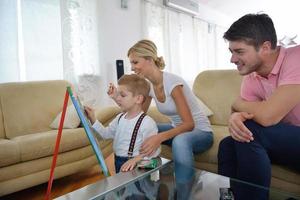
<point x="63" y="185"/>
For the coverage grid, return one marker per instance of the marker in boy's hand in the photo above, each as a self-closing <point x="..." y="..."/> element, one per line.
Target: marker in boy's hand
<point x="148" y="163"/>
<point x="90" y="114"/>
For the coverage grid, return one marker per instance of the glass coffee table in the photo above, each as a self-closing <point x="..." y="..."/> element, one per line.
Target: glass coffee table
<point x="158" y="183"/>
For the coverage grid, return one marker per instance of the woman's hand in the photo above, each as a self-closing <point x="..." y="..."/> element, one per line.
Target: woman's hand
<point x="237" y="128"/>
<point x="150" y="145"/>
<point x="112" y="91"/>
<point x="90" y="114"/>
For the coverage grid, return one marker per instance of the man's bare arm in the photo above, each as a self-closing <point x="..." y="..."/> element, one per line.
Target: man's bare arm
<point x="271" y="111"/>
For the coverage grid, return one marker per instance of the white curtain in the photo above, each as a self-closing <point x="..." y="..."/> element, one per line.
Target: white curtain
<point x="30" y="40"/>
<point x="51" y="39"/>
<point x="41" y="32"/>
<point x="80" y="49"/>
<point x="9" y="65"/>
<point x="188" y="44"/>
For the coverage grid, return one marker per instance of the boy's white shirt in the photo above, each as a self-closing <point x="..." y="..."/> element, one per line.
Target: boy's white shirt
<point x="121" y="131"/>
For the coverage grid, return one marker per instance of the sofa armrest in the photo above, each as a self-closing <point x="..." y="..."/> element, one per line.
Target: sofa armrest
<point x="107" y="114"/>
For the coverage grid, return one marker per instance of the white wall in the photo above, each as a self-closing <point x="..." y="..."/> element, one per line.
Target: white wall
<point x="285" y="14"/>
<point x="119" y="29"/>
<point x="213" y="16"/>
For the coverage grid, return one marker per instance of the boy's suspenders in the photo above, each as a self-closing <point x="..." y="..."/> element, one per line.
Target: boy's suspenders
<point x="134" y="133"/>
<point x="120" y="117"/>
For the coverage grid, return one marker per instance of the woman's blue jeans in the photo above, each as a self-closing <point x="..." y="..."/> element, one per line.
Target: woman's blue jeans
<point x="251" y="162"/>
<point x="184" y="146"/>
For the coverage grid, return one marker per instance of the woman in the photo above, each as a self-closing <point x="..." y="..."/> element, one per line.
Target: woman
<point x="190" y="131"/>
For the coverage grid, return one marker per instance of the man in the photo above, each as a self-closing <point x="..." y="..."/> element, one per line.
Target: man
<point x="265" y="123"/>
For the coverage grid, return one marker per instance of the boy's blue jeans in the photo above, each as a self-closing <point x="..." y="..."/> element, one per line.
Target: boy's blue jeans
<point x="251" y="162"/>
<point x="183" y="148"/>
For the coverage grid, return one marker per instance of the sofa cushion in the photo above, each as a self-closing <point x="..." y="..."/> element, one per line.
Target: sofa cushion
<point x="71" y="119"/>
<point x="285" y="173"/>
<point x="29" y="107"/>
<point x="210" y="156"/>
<point x="207" y="111"/>
<point x="223" y="83"/>
<point x="38" y="145"/>
<point x="9" y="153"/>
<point x="26" y="168"/>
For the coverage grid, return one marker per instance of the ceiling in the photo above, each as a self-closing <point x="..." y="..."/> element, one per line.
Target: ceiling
<point x="285" y="14"/>
<point x="236" y="8"/>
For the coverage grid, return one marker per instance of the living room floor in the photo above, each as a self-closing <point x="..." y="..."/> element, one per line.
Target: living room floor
<point x="63" y="185"/>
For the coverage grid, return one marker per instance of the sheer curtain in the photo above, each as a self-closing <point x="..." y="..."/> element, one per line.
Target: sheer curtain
<point x="40" y="25"/>
<point x="30" y="40"/>
<point x="9" y="65"/>
<point x="188" y="44"/>
<point x="80" y="48"/>
<point x="51" y="39"/>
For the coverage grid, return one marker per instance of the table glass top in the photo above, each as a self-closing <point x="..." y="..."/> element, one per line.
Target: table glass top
<point x="159" y="183"/>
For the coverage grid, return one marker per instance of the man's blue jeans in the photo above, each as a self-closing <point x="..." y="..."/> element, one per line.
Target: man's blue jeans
<point x="183" y="148"/>
<point x="251" y="162"/>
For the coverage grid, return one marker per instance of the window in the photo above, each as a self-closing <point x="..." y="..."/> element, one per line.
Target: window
<point x="189" y="45"/>
<point x="31" y="47"/>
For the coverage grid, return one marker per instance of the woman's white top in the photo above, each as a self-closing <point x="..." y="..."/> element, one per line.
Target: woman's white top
<point x="168" y="107"/>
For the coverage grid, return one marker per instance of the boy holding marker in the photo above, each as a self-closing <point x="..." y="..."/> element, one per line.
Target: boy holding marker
<point x="131" y="127"/>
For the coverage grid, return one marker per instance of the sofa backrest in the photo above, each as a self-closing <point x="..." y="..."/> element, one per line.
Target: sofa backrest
<point x="218" y="89"/>
<point x="30" y="107"/>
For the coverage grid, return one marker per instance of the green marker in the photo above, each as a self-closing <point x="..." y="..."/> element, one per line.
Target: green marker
<point x="148" y="164"/>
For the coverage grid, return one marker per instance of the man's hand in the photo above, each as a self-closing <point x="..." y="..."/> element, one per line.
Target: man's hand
<point x="150" y="145"/>
<point x="237" y="129"/>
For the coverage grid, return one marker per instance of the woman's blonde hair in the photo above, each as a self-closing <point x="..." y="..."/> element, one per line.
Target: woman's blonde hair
<point x="148" y="50"/>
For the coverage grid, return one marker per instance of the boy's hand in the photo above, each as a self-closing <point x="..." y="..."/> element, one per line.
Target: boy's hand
<point x="112" y="91"/>
<point x="130" y="164"/>
<point x="90" y="114"/>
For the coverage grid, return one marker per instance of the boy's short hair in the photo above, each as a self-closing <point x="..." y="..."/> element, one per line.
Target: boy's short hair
<point x="135" y="84"/>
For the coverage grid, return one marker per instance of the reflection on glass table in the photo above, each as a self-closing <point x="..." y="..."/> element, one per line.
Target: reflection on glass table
<point x="159" y="183"/>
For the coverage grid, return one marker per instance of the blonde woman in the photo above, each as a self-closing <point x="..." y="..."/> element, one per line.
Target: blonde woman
<point x="189" y="131"/>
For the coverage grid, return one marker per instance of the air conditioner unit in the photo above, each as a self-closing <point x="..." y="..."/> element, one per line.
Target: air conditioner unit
<point x="189" y="6"/>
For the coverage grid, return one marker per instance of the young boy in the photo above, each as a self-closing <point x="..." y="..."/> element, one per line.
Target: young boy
<point x="130" y="95"/>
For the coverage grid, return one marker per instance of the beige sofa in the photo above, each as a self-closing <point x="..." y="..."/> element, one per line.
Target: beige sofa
<point x="27" y="143"/>
<point x="218" y="89"/>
